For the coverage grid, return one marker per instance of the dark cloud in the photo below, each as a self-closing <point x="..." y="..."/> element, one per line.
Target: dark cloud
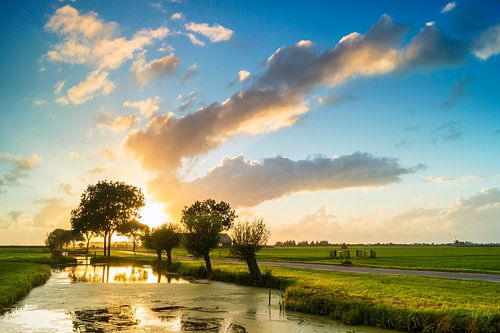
<point x="457" y="92"/>
<point x="190" y="72"/>
<point x="433" y="48"/>
<point x="186" y="102"/>
<point x="14" y="214"/>
<point x="248" y="183"/>
<point x="448" y="132"/>
<point x="168" y="139"/>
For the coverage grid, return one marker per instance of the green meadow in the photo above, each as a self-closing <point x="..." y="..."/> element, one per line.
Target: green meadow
<point x="442" y="258"/>
<point x="406" y="303"/>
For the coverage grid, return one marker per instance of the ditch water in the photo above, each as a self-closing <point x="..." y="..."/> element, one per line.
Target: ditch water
<point x="103" y="298"/>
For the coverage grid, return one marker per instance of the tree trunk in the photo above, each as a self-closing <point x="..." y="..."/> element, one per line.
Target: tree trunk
<point x="158" y="253"/>
<point x="109" y="244"/>
<point x="253" y="267"/>
<point x="88" y="243"/>
<point x="169" y="257"/>
<point x="208" y="263"/>
<point x="105" y="239"/>
<point x="133" y="239"/>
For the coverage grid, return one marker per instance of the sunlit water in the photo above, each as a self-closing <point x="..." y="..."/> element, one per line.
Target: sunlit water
<point x="101" y="298"/>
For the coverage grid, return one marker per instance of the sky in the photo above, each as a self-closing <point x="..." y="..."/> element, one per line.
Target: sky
<point x="347" y="121"/>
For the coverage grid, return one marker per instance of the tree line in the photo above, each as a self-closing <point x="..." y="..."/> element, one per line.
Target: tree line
<point x="290" y="243"/>
<point x="114" y="207"/>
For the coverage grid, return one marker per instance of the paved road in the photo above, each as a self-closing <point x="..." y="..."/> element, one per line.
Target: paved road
<point x="364" y="270"/>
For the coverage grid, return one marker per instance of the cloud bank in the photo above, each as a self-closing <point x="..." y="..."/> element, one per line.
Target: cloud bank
<point x="248" y="183"/>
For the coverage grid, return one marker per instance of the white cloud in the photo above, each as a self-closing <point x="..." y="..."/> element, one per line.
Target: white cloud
<point x="74" y="156"/>
<point x="451" y="180"/>
<point x="59" y="86"/>
<point x="91" y="41"/>
<point x="117" y="124"/>
<point x="63" y="100"/>
<point x="168" y="139"/>
<point x="195" y="40"/>
<point x="449" y="7"/>
<point x="304" y="43"/>
<point x="108" y="153"/>
<point x="88" y="40"/>
<point x="96" y="81"/>
<point x="215" y="32"/>
<point x="177" y="16"/>
<point x="146" y="71"/>
<point x="474" y="218"/>
<point x="191" y="71"/>
<point x="147" y="107"/>
<point x="40" y="102"/>
<point x="488" y="43"/>
<point x="21" y="162"/>
<point x="243" y="75"/>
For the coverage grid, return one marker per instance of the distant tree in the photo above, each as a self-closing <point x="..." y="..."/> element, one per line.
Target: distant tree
<point x="153" y="240"/>
<point x="204" y="221"/>
<point x="84" y="223"/>
<point x="132" y="229"/>
<point x="109" y="205"/>
<point x="56" y="240"/>
<point x="74" y="236"/>
<point x="170" y="238"/>
<point x="248" y="238"/>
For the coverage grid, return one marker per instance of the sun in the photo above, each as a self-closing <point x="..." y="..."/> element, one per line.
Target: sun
<point x="153" y="214"/>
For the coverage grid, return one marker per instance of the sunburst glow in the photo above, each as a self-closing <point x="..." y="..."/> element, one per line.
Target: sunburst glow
<point x="153" y="214"/>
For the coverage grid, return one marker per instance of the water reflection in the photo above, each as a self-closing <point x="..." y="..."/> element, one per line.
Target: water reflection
<point x="119" y="274"/>
<point x="131" y="300"/>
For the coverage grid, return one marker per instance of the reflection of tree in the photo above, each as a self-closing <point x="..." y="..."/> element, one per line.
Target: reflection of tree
<point x="136" y="275"/>
<point x="114" y="318"/>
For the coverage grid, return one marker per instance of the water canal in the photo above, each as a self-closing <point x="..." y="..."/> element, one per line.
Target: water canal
<point x="103" y="298"/>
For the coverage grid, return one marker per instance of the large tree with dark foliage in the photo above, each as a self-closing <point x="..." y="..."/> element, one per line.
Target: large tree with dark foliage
<point x="108" y="205"/>
<point x="204" y="221"/>
<point x="56" y="240"/>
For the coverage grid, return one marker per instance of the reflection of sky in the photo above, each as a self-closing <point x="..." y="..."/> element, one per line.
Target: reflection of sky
<point x="58" y="306"/>
<point x="118" y="274"/>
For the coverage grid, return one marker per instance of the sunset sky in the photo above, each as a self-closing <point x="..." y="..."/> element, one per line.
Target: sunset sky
<point x="355" y="121"/>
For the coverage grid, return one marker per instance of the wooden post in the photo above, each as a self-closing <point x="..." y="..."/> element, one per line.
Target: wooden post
<point x="269" y="296"/>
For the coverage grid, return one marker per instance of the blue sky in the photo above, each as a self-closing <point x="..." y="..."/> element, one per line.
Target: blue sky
<point x="356" y="121"/>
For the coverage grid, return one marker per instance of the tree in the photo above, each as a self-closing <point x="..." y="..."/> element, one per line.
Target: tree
<point x="109" y="205"/>
<point x="248" y="238"/>
<point x="74" y="236"/>
<point x="84" y="224"/>
<point x="204" y="221"/>
<point x="170" y="238"/>
<point x="152" y="240"/>
<point x="132" y="229"/>
<point x="56" y="240"/>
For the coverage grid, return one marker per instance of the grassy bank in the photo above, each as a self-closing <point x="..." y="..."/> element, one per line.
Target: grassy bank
<point x="22" y="269"/>
<point x="414" y="304"/>
<point x="18" y="278"/>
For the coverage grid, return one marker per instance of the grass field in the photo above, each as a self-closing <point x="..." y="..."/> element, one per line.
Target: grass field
<point x="441" y="258"/>
<point x="406" y="303"/>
